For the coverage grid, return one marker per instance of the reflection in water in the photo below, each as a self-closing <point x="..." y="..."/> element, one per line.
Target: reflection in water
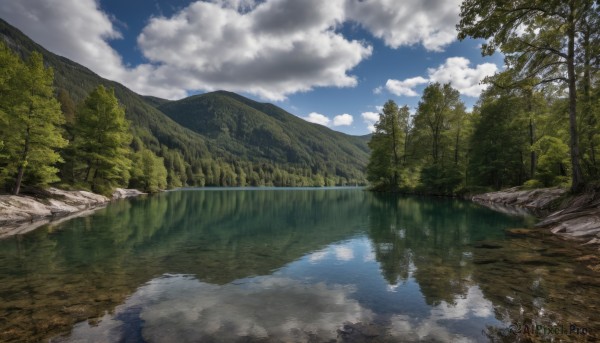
<point x="285" y="265"/>
<point x="182" y="309"/>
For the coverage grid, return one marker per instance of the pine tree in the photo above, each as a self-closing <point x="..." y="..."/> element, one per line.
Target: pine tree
<point x="102" y="139"/>
<point x="32" y="132"/>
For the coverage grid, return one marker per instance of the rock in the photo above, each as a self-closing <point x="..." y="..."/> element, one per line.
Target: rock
<point x="122" y="193"/>
<point x="586" y="258"/>
<point x="487" y="246"/>
<point x="520" y="232"/>
<point x="578" y="217"/>
<point x="24" y="213"/>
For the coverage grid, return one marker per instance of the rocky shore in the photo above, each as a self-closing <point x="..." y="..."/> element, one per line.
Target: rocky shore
<point x="24" y="213"/>
<point x="574" y="217"/>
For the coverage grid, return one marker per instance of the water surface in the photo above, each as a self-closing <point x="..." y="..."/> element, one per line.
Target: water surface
<point x="290" y="265"/>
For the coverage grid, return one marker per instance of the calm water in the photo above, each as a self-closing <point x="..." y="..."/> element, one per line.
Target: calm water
<point x="318" y="265"/>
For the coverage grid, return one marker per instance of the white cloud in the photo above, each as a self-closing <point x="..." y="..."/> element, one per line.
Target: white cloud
<point x="75" y="29"/>
<point x="270" y="48"/>
<point x="408" y="22"/>
<point x="317" y="118"/>
<point x="378" y="90"/>
<point x="405" y="87"/>
<point x="370" y="118"/>
<point x="467" y="80"/>
<point x="455" y="71"/>
<point x="343" y="120"/>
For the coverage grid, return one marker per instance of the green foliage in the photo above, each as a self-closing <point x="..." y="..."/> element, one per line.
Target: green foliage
<point x="101" y="142"/>
<point x="31" y="134"/>
<point x="543" y="41"/>
<point x="388" y="148"/>
<point x="553" y="161"/>
<point x="498" y="144"/>
<point x="148" y="172"/>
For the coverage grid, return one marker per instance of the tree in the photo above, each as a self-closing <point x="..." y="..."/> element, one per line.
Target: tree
<point x="437" y="129"/>
<point x="148" y="172"/>
<point x="102" y="141"/>
<point x="388" y="147"/>
<point x="10" y="64"/>
<point x="31" y="135"/>
<point x="438" y="108"/>
<point x="498" y="143"/>
<point x="540" y="39"/>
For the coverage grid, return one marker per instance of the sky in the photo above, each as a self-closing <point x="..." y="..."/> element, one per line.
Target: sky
<point x="333" y="62"/>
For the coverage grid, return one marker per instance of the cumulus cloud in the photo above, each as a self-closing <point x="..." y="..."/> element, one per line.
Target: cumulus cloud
<point x="408" y="22"/>
<point x="278" y="48"/>
<point x="270" y="48"/>
<point x="317" y="118"/>
<point x="405" y="87"/>
<point x="370" y="118"/>
<point x="81" y="37"/>
<point x="456" y="71"/>
<point x="467" y="80"/>
<point x="343" y="120"/>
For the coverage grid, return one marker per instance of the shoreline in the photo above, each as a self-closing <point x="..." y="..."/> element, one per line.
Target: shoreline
<point x="574" y="217"/>
<point x="20" y="214"/>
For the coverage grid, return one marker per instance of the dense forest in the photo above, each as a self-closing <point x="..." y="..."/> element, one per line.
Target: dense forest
<point x="248" y="144"/>
<point x="537" y="124"/>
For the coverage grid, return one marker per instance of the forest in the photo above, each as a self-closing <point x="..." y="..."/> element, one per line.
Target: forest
<point x="536" y="125"/>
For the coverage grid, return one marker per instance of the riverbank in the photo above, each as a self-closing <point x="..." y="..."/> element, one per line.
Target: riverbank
<point x="23" y="213"/>
<point x="576" y="217"/>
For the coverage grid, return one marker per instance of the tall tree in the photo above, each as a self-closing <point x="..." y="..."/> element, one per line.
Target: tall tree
<point x="498" y="143"/>
<point x="32" y="132"/>
<point x="438" y="108"/>
<point x="387" y="147"/>
<point x="540" y="39"/>
<point x="101" y="142"/>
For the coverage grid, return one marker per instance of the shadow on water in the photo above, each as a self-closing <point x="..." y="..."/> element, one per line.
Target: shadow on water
<point x="289" y="265"/>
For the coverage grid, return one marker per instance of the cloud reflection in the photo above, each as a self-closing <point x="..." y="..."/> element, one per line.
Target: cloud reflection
<point x="182" y="309"/>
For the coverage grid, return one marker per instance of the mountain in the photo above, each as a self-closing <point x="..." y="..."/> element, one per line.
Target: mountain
<point x="264" y="132"/>
<point x="220" y="133"/>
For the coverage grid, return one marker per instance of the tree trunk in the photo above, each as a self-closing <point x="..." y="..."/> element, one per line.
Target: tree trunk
<point x="532" y="157"/>
<point x="22" y="165"/>
<point x="587" y="110"/>
<point x="456" y="147"/>
<point x="577" y="180"/>
<point x="394" y="146"/>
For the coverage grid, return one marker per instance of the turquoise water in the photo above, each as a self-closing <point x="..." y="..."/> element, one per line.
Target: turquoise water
<point x="274" y="265"/>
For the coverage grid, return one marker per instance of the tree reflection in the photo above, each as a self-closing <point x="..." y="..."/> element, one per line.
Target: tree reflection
<point x="430" y="241"/>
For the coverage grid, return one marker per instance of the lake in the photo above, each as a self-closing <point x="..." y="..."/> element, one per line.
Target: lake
<point x="293" y="265"/>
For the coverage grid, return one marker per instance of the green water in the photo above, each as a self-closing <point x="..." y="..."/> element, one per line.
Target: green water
<point x="289" y="265"/>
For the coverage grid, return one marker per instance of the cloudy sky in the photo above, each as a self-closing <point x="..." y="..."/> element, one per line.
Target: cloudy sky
<point x="330" y="62"/>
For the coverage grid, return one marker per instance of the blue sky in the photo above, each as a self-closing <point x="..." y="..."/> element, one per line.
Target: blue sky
<point x="329" y="62"/>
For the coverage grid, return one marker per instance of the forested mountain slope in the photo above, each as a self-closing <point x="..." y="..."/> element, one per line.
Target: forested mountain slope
<point x="222" y="138"/>
<point x="265" y="132"/>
